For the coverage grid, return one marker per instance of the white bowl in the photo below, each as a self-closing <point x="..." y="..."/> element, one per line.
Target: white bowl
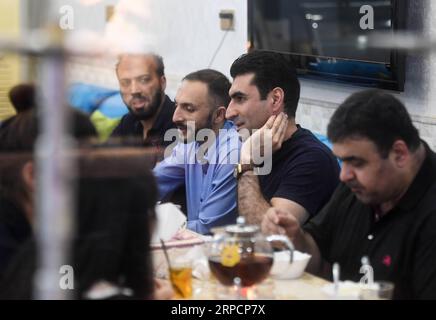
<point x="283" y="269"/>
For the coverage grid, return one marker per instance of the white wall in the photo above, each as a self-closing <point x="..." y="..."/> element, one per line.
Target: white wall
<point x="188" y="34"/>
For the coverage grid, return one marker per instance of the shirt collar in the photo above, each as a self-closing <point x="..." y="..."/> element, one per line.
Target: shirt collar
<point x="424" y="178"/>
<point x="164" y="118"/>
<point x="222" y="134"/>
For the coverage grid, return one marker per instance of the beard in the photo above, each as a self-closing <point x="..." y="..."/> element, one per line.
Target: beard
<point x="150" y="111"/>
<point x="191" y="135"/>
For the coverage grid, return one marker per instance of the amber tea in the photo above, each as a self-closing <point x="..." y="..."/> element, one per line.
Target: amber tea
<point x="181" y="280"/>
<point x="251" y="270"/>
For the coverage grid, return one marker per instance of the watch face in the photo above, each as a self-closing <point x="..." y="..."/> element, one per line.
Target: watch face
<point x="235" y="171"/>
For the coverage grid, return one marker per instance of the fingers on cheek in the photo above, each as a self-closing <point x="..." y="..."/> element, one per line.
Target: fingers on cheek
<point x="273" y="228"/>
<point x="270" y="226"/>
<point x="273" y="219"/>
<point x="281" y="216"/>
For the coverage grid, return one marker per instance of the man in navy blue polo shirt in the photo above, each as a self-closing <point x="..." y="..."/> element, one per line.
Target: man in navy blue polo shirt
<point x="384" y="208"/>
<point x="303" y="171"/>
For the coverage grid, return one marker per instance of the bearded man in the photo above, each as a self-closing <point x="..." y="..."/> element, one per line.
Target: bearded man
<point x="142" y="85"/>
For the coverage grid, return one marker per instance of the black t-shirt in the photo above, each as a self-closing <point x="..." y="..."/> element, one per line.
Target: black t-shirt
<point x="110" y="243"/>
<point x="401" y="246"/>
<point x="304" y="170"/>
<point x="15" y="230"/>
<point x="131" y="127"/>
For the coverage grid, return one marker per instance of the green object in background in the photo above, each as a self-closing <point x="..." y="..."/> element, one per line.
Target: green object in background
<point x="104" y="125"/>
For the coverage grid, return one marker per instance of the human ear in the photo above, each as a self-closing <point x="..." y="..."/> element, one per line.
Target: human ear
<point x="220" y="115"/>
<point x="163" y="83"/>
<point x="400" y="153"/>
<point x="28" y="175"/>
<point x="277" y="96"/>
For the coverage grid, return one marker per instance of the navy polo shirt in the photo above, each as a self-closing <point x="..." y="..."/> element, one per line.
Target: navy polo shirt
<point x="304" y="171"/>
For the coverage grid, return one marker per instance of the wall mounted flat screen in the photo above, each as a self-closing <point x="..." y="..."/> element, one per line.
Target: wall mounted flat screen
<point x="323" y="38"/>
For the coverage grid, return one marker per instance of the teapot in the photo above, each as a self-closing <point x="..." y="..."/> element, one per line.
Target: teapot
<point x="242" y="255"/>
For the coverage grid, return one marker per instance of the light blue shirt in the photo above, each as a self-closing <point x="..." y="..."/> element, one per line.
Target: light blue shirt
<point x="211" y="188"/>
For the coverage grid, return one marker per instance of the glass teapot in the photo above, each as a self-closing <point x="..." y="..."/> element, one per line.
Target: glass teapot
<point x="242" y="255"/>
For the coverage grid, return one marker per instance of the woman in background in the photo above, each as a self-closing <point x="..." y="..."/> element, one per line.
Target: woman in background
<point x="116" y="195"/>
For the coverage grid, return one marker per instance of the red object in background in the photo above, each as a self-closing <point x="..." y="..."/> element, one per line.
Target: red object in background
<point x="387" y="260"/>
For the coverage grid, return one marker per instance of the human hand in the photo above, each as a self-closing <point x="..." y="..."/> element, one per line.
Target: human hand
<point x="281" y="222"/>
<point x="265" y="141"/>
<point x="163" y="290"/>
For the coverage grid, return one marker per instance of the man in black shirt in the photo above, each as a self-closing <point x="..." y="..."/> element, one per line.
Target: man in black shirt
<point x="303" y="173"/>
<point x="142" y="85"/>
<point x="384" y="209"/>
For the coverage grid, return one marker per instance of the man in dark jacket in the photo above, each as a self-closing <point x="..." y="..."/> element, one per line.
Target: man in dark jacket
<point x="142" y="85"/>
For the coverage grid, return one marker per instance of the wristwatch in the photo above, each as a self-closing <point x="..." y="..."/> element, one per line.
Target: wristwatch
<point x="241" y="168"/>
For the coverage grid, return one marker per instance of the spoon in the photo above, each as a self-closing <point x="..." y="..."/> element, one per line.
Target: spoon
<point x="175" y="287"/>
<point x="166" y="253"/>
<point x="367" y="270"/>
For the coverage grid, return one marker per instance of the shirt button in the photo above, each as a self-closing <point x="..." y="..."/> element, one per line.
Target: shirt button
<point x="370" y="237"/>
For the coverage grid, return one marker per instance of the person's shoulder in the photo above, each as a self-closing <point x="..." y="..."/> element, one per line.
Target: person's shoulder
<point x="127" y="119"/>
<point x="169" y="103"/>
<point x="432" y="157"/>
<point x="6" y="123"/>
<point x="185" y="148"/>
<point x="427" y="176"/>
<point x="424" y="222"/>
<point x="168" y="107"/>
<point x="306" y="145"/>
<point x="428" y="204"/>
<point x="231" y="129"/>
<point x="125" y="126"/>
<point x="229" y="134"/>
<point x="307" y="139"/>
<point x="343" y="192"/>
<point x="164" y="119"/>
<point x="9" y="211"/>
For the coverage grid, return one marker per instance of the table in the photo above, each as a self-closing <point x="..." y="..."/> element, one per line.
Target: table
<point x="307" y="287"/>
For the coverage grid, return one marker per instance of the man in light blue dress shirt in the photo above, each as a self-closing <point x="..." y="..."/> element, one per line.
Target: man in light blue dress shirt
<point x="204" y="159"/>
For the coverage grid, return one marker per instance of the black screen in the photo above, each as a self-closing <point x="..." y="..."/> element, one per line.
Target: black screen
<point x="322" y="37"/>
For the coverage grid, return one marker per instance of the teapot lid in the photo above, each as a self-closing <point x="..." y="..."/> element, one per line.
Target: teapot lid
<point x="242" y="229"/>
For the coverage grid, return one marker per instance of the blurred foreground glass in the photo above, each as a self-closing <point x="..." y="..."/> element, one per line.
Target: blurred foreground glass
<point x="382" y="290"/>
<point x="181" y="278"/>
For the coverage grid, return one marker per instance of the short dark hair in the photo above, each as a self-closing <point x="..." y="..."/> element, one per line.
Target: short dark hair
<point x="160" y="67"/>
<point x="22" y="97"/>
<point x="217" y="84"/>
<point x="21" y="131"/>
<point x="377" y="116"/>
<point x="270" y="70"/>
<point x="17" y="143"/>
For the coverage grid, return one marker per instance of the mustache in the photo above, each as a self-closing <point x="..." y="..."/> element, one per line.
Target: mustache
<point x="181" y="125"/>
<point x="138" y="96"/>
<point x="236" y="119"/>
<point x="353" y="185"/>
